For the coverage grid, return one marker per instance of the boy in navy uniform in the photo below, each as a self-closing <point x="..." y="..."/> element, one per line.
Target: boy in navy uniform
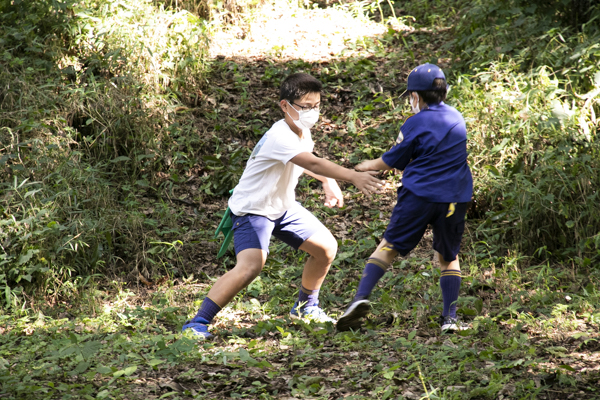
<point x="263" y="204"/>
<point x="437" y="185"/>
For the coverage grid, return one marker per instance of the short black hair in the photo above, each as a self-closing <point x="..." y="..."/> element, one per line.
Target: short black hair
<point x="437" y="95"/>
<point x="298" y="85"/>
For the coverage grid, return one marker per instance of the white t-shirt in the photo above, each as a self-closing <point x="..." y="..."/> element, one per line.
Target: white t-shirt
<point x="267" y="186"/>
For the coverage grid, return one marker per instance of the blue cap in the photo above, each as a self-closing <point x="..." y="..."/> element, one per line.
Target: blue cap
<point x="422" y="77"/>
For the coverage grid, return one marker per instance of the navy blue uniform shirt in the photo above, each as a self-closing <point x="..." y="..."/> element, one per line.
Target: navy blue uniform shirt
<point x="432" y="151"/>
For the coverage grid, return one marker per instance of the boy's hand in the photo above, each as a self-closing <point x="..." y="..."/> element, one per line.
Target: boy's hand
<point x="372" y="165"/>
<point x="367" y="183"/>
<point x="363" y="166"/>
<point x="333" y="193"/>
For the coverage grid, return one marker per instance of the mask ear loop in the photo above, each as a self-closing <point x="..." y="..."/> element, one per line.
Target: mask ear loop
<point x="287" y="112"/>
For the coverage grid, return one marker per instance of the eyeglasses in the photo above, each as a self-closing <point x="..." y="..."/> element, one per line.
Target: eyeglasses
<point x="307" y="108"/>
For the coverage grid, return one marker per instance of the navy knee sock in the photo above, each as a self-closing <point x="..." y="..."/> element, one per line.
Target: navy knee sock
<point x="372" y="273"/>
<point x="450" y="285"/>
<point x="309" y="297"/>
<point x="208" y="309"/>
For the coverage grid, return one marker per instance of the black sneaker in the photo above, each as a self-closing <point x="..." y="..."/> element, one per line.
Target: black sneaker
<point x="451" y="325"/>
<point x="353" y="315"/>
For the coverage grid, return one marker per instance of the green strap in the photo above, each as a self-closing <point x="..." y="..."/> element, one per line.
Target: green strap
<point x="225" y="227"/>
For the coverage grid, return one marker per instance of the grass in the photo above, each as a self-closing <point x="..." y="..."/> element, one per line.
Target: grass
<point x="123" y="343"/>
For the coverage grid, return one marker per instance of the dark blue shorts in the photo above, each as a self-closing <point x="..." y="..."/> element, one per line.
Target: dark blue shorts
<point x="410" y="218"/>
<point x="294" y="227"/>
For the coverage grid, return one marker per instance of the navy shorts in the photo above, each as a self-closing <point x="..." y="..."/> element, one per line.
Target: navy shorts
<point x="410" y="218"/>
<point x="253" y="231"/>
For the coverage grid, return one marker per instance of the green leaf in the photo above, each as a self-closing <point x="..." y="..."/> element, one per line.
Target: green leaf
<point x="103" y="370"/>
<point x="81" y="367"/>
<point x="567" y="367"/>
<point x="120" y="158"/>
<point x="127" y="371"/>
<point x="478" y="304"/>
<point x="570" y="224"/>
<point x="493" y="170"/>
<point x="468" y="311"/>
<point x="24" y="258"/>
<point x="412" y="335"/>
<point x="499" y="146"/>
<point x="244" y="355"/>
<point x="31" y="193"/>
<point x="155" y="361"/>
<point x="90" y="348"/>
<point x="130" y="370"/>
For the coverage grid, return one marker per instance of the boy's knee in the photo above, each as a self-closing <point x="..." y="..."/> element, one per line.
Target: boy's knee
<point x="329" y="248"/>
<point x="249" y="271"/>
<point x="321" y="246"/>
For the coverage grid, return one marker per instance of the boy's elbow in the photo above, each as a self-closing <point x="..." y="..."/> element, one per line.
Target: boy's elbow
<point x="315" y="168"/>
<point x="308" y="162"/>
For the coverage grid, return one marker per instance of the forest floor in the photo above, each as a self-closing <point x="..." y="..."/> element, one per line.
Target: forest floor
<point x="123" y="340"/>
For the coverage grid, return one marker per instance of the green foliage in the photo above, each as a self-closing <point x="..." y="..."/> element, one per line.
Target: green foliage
<point x="90" y="113"/>
<point x="531" y="101"/>
<point x="34" y="34"/>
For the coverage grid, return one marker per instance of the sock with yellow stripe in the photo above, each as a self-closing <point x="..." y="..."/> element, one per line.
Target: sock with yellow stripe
<point x="372" y="273"/>
<point x="208" y="309"/>
<point x="450" y="285"/>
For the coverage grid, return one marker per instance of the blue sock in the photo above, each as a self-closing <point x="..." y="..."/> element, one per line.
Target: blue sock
<point x="310" y="297"/>
<point x="208" y="310"/>
<point x="450" y="285"/>
<point x="372" y="273"/>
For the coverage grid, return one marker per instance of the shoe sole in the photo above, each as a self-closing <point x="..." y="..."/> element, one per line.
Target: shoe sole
<point x="294" y="316"/>
<point x="451" y="328"/>
<point x="353" y="316"/>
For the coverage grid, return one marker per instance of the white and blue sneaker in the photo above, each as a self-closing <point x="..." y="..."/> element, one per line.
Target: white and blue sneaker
<point x="198" y="327"/>
<point x="351" y="319"/>
<point x="451" y="325"/>
<point x="312" y="313"/>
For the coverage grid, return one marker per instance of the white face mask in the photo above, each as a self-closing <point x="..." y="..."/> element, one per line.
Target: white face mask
<point x="415" y="107"/>
<point x="306" y="119"/>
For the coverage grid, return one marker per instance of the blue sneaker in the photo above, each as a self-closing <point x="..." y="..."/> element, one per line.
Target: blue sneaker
<point x="352" y="318"/>
<point x="198" y="327"/>
<point x="312" y="313"/>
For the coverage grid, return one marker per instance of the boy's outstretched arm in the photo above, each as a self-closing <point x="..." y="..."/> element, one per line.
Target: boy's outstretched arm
<point x="364" y="181"/>
<point x="333" y="193"/>
<point x="373" y="165"/>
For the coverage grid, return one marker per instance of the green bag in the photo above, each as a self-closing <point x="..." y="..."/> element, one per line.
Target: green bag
<point x="225" y="227"/>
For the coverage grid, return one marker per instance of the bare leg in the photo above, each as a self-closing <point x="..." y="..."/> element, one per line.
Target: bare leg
<point x="445" y="265"/>
<point x="322" y="248"/>
<point x="385" y="252"/>
<point x="249" y="264"/>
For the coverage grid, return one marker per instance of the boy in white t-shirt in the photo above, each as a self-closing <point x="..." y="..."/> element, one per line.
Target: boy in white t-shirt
<point x="263" y="204"/>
